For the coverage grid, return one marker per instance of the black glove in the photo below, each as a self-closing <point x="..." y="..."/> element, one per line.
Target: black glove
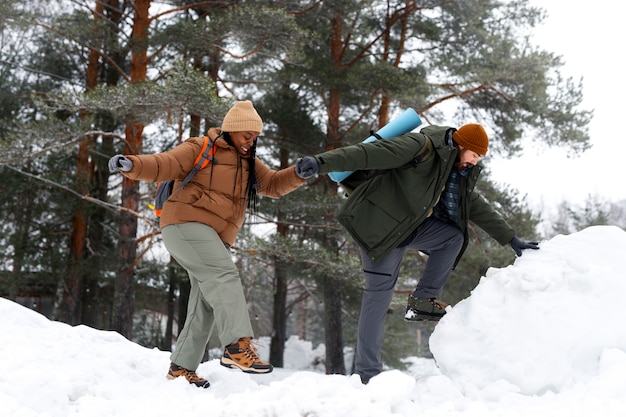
<point x="518" y="244"/>
<point x="121" y="163"/>
<point x="307" y="167"/>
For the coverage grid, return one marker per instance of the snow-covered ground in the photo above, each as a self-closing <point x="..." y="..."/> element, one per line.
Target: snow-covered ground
<point x="543" y="337"/>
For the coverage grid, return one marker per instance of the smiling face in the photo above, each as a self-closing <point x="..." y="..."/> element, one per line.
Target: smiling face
<point x="243" y="141"/>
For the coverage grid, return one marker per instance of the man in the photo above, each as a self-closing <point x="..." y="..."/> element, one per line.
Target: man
<point x="419" y="194"/>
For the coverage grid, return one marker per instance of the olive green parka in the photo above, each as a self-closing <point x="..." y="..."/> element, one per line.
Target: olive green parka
<point x="410" y="174"/>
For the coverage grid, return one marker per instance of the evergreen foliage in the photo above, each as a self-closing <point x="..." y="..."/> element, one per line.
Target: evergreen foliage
<point x="322" y="75"/>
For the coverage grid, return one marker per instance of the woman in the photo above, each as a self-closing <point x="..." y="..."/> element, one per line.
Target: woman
<point x="200" y="221"/>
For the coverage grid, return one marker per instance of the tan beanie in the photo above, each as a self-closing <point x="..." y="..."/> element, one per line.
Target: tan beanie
<point x="472" y="137"/>
<point x="242" y="117"/>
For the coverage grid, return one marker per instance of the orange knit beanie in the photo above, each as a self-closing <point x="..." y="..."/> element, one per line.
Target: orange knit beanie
<point x="242" y="117"/>
<point x="472" y="137"/>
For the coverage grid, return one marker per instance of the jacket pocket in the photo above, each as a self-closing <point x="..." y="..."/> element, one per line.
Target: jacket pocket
<point x="373" y="217"/>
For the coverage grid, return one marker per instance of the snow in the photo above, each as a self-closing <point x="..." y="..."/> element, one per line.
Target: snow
<point x="542" y="337"/>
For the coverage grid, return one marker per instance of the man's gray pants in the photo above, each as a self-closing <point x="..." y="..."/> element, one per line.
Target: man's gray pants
<point x="216" y="297"/>
<point x="443" y="241"/>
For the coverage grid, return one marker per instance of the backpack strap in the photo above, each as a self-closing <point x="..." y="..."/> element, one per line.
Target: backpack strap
<point x="203" y="159"/>
<point x="206" y="154"/>
<point x="424" y="153"/>
<point x="360" y="176"/>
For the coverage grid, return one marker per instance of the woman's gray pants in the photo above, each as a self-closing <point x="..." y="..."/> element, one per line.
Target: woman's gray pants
<point x="443" y="241"/>
<point x="216" y="297"/>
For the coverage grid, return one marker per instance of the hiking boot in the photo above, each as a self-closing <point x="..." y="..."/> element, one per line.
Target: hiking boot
<point x="242" y="355"/>
<point x="191" y="377"/>
<point x="420" y="309"/>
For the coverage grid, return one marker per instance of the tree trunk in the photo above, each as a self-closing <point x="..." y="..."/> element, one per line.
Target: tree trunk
<point x="70" y="305"/>
<point x="96" y="302"/>
<point x="331" y="286"/>
<point x="281" y="278"/>
<point x="124" y="296"/>
<point x="333" y="331"/>
<point x="279" y="320"/>
<point x="184" y="288"/>
<point x="20" y="239"/>
<point x="171" y="304"/>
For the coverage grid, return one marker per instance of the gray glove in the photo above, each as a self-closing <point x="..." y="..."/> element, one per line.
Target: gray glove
<point x="518" y="244"/>
<point x="120" y="163"/>
<point x="307" y="167"/>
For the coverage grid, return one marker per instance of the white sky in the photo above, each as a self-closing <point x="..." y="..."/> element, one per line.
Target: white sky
<point x="589" y="38"/>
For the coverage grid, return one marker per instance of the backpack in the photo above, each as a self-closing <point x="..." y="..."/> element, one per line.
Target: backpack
<point x="165" y="188"/>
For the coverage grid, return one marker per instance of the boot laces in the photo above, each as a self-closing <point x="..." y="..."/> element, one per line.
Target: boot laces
<point x="191" y="376"/>
<point x="248" y="348"/>
<point x="438" y="303"/>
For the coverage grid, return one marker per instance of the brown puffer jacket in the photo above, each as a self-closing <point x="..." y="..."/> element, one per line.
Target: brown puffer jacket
<point x="216" y="195"/>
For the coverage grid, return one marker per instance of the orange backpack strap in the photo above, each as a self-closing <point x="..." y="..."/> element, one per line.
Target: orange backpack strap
<point x="205" y="157"/>
<point x="164" y="189"/>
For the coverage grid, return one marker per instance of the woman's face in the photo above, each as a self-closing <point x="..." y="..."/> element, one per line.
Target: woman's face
<point x="243" y="141"/>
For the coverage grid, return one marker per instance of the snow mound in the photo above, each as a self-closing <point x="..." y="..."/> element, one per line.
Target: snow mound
<point x="537" y="326"/>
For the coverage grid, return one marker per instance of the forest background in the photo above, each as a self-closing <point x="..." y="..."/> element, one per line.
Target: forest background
<point x="84" y="80"/>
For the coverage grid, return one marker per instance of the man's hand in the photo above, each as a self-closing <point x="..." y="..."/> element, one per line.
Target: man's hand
<point x="307" y="167"/>
<point x="120" y="163"/>
<point x="518" y="244"/>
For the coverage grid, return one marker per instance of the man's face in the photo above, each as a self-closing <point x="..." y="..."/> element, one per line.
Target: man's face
<point x="466" y="158"/>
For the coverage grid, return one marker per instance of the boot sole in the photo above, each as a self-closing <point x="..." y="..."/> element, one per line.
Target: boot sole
<point x="204" y="385"/>
<point x="229" y="363"/>
<point x="423" y="316"/>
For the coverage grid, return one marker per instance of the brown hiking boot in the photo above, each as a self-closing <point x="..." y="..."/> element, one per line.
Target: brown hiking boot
<point x="191" y="377"/>
<point x="421" y="309"/>
<point x="242" y="355"/>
